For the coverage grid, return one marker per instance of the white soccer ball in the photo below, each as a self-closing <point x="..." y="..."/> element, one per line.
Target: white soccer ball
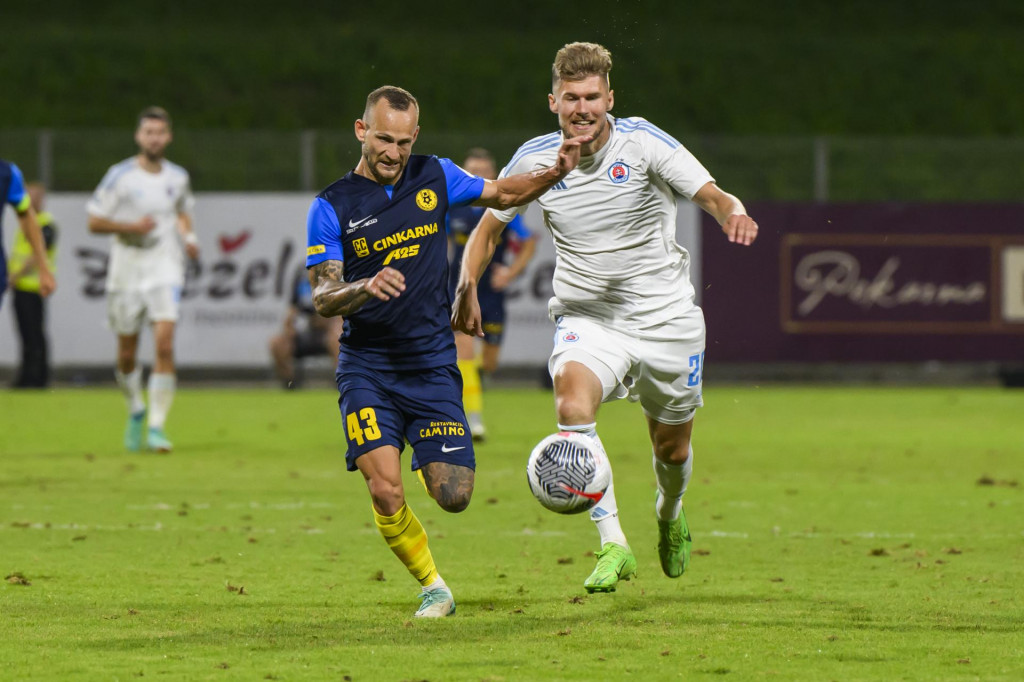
<point x="568" y="472"/>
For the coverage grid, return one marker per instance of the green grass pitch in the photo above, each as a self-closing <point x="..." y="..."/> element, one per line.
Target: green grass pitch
<point x="839" y="534"/>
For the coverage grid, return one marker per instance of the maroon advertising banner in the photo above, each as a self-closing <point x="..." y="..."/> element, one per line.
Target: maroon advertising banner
<point x="868" y="283"/>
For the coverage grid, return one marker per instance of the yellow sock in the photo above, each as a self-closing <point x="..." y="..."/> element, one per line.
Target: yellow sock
<point x="405" y="536"/>
<point x="472" y="395"/>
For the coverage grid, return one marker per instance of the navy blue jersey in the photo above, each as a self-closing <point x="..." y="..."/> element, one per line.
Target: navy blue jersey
<point x="369" y="226"/>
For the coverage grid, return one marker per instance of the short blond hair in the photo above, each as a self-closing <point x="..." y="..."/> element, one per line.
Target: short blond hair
<point x="577" y="61"/>
<point x="397" y="98"/>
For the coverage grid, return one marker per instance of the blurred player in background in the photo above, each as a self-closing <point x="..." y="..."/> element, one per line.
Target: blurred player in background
<point x="304" y="333"/>
<point x="146" y="203"/>
<point x="623" y="304"/>
<point x="490" y="291"/>
<point x="377" y="254"/>
<point x="26" y="287"/>
<point x="12" y="191"/>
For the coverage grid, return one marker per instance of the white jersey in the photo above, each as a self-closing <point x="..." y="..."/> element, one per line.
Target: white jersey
<point x="613" y="222"/>
<point x="127" y="193"/>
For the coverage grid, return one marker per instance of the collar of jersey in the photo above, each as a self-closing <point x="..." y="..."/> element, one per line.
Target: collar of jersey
<point x="588" y="163"/>
<point x="389" y="189"/>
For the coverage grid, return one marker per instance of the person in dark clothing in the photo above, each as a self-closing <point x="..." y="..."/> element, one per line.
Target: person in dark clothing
<point x="29" y="304"/>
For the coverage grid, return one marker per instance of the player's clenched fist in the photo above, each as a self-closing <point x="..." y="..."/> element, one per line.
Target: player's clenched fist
<point x="466" y="317"/>
<point x="385" y="284"/>
<point x="740" y="229"/>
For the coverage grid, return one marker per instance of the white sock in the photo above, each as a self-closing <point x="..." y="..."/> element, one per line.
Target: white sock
<point x="131" y="387"/>
<point x="672" y="481"/>
<point x="439" y="582"/>
<point x="606" y="512"/>
<point x="161" y="395"/>
<point x="606" y="515"/>
<point x="588" y="429"/>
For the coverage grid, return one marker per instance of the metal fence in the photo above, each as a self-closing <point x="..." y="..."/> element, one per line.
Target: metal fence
<point x="783" y="168"/>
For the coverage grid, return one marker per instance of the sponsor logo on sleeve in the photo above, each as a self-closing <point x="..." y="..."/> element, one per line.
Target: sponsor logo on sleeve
<point x="315" y="249"/>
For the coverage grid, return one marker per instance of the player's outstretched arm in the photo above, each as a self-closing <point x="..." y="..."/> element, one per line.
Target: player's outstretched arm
<point x="522" y="188"/>
<point x="98" y="225"/>
<point x="333" y="296"/>
<point x="729" y="212"/>
<point x="34" y="234"/>
<point x="479" y="250"/>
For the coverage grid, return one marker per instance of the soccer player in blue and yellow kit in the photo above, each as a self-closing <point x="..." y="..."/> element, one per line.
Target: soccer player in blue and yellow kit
<point x="377" y="255"/>
<point x="12" y="191"/>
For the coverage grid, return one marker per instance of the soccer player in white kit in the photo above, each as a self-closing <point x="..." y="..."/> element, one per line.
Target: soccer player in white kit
<point x="146" y="203"/>
<point x="624" y="306"/>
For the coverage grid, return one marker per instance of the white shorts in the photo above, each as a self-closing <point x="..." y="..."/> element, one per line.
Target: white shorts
<point x="665" y="375"/>
<point x="128" y="310"/>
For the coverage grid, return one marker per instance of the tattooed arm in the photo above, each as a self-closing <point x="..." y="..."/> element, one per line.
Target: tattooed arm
<point x="332" y="295"/>
<point x="522" y="188"/>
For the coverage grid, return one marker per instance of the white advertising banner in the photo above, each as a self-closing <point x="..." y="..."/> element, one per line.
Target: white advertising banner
<point x="252" y="247"/>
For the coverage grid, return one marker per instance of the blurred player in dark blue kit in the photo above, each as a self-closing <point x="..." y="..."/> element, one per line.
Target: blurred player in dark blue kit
<point x="303" y="334"/>
<point x="377" y="256"/>
<point x="490" y="291"/>
<point x="12" y="191"/>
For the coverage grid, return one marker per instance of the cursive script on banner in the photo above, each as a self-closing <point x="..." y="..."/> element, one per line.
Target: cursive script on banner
<point x="837" y="273"/>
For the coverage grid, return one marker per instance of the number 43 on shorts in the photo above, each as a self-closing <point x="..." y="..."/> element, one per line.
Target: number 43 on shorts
<point x="364" y="427"/>
<point x="696" y="369"/>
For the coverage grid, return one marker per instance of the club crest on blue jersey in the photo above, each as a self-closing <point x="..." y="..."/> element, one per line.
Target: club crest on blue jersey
<point x="426" y="199"/>
<point x="618" y="173"/>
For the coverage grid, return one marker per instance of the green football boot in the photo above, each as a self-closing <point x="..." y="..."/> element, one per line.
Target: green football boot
<point x="133" y="431"/>
<point x="674" y="545"/>
<point x="614" y="563"/>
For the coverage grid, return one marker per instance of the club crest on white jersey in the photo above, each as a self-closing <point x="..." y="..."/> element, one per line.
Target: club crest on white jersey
<point x="619" y="172"/>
